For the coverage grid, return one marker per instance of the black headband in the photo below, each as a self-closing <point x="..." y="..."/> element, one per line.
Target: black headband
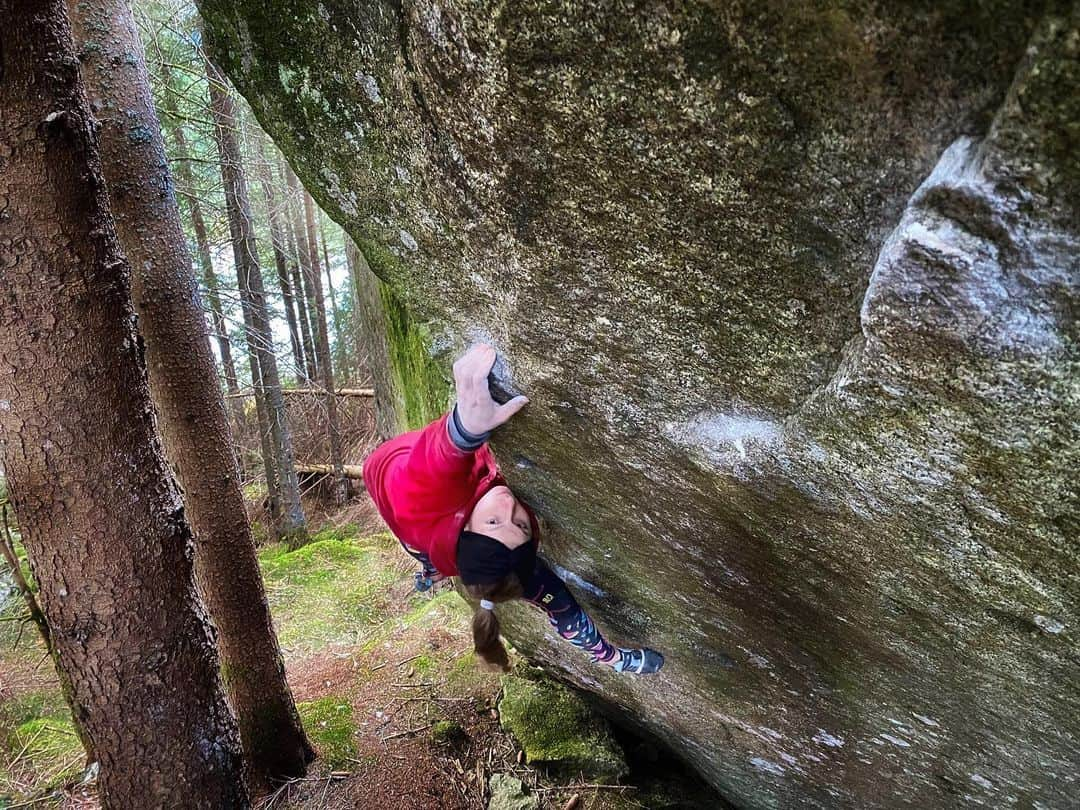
<point x="483" y="560"/>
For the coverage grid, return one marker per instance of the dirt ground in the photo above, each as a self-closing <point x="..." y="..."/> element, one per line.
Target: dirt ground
<point x="423" y="728"/>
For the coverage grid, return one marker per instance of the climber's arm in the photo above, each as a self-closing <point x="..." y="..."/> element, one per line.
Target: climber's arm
<point x="548" y="592"/>
<point x="439" y="473"/>
<point x="477" y="412"/>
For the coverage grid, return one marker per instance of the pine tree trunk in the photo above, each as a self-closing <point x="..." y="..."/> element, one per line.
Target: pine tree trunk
<point x="340" y="486"/>
<point x="206" y="263"/>
<point x="184" y="386"/>
<point x="101" y="515"/>
<point x="278" y="241"/>
<point x="303" y="255"/>
<point x="306" y="344"/>
<point x="293" y="526"/>
<point x="335" y="313"/>
<point x="262" y="420"/>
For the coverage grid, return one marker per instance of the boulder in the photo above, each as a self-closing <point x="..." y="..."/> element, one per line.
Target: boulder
<point x="510" y="793"/>
<point x="793" y="289"/>
<point x="559" y="731"/>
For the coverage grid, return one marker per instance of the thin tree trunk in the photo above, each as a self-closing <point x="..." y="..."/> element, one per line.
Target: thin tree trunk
<point x="306" y="344"/>
<point x="262" y="420"/>
<point x="339" y="336"/>
<point x="340" y="484"/>
<point x="101" y="515"/>
<point x="252" y="341"/>
<point x="293" y="525"/>
<point x="184" y="385"/>
<point x="278" y="242"/>
<point x="303" y="254"/>
<point x="206" y="265"/>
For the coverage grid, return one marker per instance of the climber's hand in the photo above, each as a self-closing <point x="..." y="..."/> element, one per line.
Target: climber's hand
<point x="477" y="411"/>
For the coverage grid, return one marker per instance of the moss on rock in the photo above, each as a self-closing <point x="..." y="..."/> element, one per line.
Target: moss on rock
<point x="447" y="731"/>
<point x="559" y="730"/>
<point x="423" y="391"/>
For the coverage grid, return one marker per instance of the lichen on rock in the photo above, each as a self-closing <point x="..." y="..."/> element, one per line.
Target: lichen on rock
<point x="509" y="793"/>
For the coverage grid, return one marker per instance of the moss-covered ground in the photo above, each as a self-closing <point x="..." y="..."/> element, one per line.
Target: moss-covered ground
<point x="387" y="688"/>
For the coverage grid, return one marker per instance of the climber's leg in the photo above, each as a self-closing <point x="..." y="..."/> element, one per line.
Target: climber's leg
<point x="548" y="592"/>
<point x="427" y="575"/>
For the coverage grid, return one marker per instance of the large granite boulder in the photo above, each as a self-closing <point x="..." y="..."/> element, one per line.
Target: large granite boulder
<point x="793" y="288"/>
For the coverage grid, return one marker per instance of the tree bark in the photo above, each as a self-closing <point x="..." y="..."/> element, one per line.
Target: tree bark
<point x="262" y="421"/>
<point x="101" y="514"/>
<point x="293" y="524"/>
<point x="206" y="263"/>
<point x="184" y="386"/>
<point x="340" y="484"/>
<point x="303" y="284"/>
<point x="278" y="241"/>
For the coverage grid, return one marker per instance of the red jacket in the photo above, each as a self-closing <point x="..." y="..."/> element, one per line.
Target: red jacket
<point x="426" y="488"/>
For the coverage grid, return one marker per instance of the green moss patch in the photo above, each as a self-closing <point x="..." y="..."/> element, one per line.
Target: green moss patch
<point x="558" y="730"/>
<point x="329" y="591"/>
<point x="330" y="727"/>
<point x="447" y="732"/>
<point x="38" y="739"/>
<point x="422" y="390"/>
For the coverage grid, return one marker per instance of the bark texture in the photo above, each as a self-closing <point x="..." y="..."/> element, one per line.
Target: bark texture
<point x="793" y="290"/>
<point x="185" y="389"/>
<point x="101" y="515"/>
<point x="292" y="525"/>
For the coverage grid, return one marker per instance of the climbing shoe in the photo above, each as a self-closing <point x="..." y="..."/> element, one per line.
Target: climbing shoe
<point x="640" y="662"/>
<point x="422" y="581"/>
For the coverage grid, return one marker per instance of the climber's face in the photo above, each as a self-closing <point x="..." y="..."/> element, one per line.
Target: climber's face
<point x="501" y="516"/>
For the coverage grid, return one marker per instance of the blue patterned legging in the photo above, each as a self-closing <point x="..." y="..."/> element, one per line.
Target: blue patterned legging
<point x="549" y="593"/>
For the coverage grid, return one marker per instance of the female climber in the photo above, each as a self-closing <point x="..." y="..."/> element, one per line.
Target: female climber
<point x="440" y="491"/>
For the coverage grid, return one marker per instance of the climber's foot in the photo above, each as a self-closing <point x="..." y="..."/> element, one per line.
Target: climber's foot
<point x="640" y="662"/>
<point x="424" y="580"/>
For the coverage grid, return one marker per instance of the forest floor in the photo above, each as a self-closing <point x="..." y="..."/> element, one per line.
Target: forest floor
<point x="385" y="681"/>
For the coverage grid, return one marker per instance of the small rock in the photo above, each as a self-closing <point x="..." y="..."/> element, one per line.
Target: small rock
<point x="508" y="793"/>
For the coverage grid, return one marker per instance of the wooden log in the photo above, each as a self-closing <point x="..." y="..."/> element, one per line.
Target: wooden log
<point x="351" y="470"/>
<point x="341" y="392"/>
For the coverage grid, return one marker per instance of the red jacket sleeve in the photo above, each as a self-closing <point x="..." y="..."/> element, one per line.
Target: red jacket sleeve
<point x="436" y="478"/>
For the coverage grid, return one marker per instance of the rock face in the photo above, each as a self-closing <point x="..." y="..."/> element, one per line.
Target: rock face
<point x="793" y="290"/>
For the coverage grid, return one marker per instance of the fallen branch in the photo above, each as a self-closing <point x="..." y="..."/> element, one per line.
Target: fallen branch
<point x="408" y="732"/>
<point x="350" y="470"/>
<point x="7" y="545"/>
<point x="563" y="788"/>
<point x="341" y="392"/>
